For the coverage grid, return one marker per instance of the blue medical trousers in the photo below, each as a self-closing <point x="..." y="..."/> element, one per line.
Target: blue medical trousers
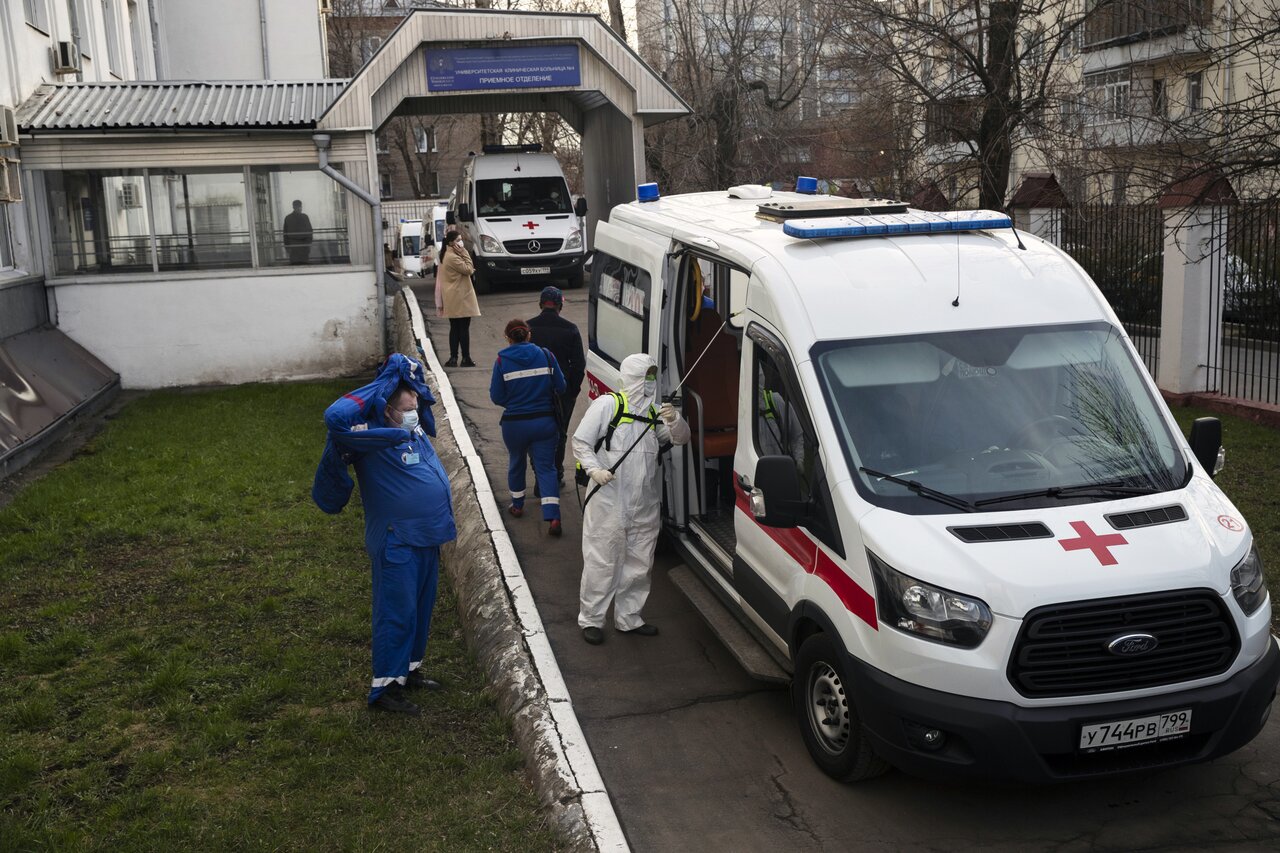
<point x="534" y="438"/>
<point x="404" y="593"/>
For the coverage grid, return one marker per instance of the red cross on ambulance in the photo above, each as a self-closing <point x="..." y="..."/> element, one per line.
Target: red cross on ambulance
<point x="530" y="225"/>
<point x="1099" y="545"/>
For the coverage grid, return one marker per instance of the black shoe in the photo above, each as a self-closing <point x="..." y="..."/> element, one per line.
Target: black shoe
<point x="394" y="702"/>
<point x="593" y="635"/>
<point x="466" y="362"/>
<point x="556" y="528"/>
<point x="452" y="362"/>
<point x="645" y="630"/>
<point x="418" y="681"/>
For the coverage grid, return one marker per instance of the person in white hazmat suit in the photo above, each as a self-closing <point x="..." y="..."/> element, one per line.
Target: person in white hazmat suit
<point x="620" y="524"/>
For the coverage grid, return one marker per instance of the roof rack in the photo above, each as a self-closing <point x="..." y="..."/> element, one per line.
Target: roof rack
<point x="781" y="211"/>
<point x="528" y="148"/>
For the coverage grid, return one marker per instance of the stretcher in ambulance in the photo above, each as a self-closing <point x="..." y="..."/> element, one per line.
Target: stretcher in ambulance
<point x="935" y="487"/>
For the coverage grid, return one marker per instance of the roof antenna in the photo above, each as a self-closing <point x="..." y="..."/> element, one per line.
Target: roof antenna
<point x="955" y="303"/>
<point x="1014" y="229"/>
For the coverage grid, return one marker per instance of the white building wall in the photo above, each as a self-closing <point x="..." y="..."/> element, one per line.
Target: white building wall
<point x="248" y="328"/>
<point x="223" y="40"/>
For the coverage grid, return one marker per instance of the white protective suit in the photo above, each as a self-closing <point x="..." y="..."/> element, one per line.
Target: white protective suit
<point x="620" y="526"/>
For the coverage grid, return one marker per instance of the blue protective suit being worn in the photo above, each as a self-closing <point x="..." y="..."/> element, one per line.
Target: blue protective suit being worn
<point x="526" y="379"/>
<point x="408" y="512"/>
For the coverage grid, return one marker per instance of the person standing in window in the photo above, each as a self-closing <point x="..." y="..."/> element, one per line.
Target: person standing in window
<point x="297" y="235"/>
<point x="456" y="297"/>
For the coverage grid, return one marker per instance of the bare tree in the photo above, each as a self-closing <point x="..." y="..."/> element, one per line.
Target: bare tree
<point x="742" y="65"/>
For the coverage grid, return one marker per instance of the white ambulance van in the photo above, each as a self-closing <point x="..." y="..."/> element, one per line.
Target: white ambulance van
<point x="931" y="478"/>
<point x="411" y="245"/>
<point x="513" y="207"/>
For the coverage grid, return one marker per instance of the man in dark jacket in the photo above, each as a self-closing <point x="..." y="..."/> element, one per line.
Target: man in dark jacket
<point x="557" y="334"/>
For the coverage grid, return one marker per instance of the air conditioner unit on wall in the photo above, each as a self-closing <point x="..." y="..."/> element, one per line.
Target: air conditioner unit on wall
<point x="66" y="58"/>
<point x="10" y="180"/>
<point x="8" y="127"/>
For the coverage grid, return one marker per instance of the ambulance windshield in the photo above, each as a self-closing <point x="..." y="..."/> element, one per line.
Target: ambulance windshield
<point x="998" y="418"/>
<point x="522" y="196"/>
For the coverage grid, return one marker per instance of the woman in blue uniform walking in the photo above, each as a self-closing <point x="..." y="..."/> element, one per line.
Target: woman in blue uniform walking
<point x="526" y="380"/>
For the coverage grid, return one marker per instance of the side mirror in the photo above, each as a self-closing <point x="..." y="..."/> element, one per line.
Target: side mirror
<point x="465" y="214"/>
<point x="580" y="207"/>
<point x="775" y="497"/>
<point x="449" y="218"/>
<point x="1206" y="444"/>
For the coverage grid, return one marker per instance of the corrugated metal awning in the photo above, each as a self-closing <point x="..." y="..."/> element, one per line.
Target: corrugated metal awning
<point x="178" y="106"/>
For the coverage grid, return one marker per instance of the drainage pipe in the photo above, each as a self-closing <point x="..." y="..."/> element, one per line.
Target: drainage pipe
<point x="322" y="141"/>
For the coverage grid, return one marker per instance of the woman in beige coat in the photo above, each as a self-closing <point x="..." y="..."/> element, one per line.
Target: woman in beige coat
<point x="456" y="298"/>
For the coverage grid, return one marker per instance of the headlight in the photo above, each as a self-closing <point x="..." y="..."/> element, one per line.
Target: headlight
<point x="574" y="240"/>
<point x="1247" y="582"/>
<point x="929" y="611"/>
<point x="489" y="245"/>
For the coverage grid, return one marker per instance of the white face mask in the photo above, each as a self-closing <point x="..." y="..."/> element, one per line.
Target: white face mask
<point x="650" y="386"/>
<point x="409" y="420"/>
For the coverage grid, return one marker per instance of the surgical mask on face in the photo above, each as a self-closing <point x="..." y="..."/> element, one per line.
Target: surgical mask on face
<point x="650" y="386"/>
<point x="409" y="420"/>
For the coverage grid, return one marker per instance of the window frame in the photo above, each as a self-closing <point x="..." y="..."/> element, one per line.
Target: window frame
<point x="37" y="9"/>
<point x="642" y="281"/>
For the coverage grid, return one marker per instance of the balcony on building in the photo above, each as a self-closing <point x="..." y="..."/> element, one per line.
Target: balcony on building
<point x="1129" y="32"/>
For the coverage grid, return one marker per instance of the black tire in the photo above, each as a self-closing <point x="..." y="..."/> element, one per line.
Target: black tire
<point x="480" y="280"/>
<point x="821" y="694"/>
<point x="576" y="280"/>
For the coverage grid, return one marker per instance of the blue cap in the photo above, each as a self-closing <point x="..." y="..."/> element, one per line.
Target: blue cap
<point x="551" y="294"/>
<point x="806" y="185"/>
<point x="647" y="192"/>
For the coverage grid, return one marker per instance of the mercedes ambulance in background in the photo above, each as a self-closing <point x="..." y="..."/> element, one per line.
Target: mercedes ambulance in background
<point x="518" y="218"/>
<point x="931" y="477"/>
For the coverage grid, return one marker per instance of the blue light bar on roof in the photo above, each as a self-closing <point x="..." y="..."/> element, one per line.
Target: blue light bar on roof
<point x="891" y="224"/>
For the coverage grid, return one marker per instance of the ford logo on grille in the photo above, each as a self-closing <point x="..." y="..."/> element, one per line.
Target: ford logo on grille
<point x="534" y="247"/>
<point x="1129" y="645"/>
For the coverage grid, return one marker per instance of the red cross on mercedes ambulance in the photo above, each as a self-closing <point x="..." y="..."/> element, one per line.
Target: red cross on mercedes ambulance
<point x="519" y="222"/>
<point x="934" y="483"/>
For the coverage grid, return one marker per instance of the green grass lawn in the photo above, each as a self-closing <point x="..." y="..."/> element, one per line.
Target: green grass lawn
<point x="184" y="655"/>
<point x="1252" y="481"/>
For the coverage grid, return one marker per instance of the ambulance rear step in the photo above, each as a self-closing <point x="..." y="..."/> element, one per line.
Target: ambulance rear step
<point x="749" y="652"/>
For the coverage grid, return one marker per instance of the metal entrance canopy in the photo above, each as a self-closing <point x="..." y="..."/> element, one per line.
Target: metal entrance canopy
<point x="589" y="75"/>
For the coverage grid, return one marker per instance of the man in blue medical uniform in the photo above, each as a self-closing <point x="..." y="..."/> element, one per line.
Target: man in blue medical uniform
<point x="382" y="430"/>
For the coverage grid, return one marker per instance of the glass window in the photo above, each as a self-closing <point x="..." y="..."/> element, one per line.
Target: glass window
<point x="37" y="13"/>
<point x="98" y="222"/>
<point x="778" y="424"/>
<point x="384" y="184"/>
<point x="523" y="196"/>
<point x="301" y="217"/>
<point x="201" y="220"/>
<point x="1195" y="92"/>
<point x="79" y="11"/>
<point x="1004" y="418"/>
<point x="425" y="139"/>
<point x="6" y="247"/>
<point x="618" y="308"/>
<point x="111" y="26"/>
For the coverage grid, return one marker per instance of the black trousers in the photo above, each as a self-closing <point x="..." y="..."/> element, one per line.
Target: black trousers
<point x="566" y="404"/>
<point x="460" y="337"/>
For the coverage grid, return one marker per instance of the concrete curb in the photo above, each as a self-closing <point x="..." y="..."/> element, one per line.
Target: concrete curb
<point x="503" y="628"/>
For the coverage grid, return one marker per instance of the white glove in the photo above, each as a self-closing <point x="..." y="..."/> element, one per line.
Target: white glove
<point x="600" y="476"/>
<point x="668" y="414"/>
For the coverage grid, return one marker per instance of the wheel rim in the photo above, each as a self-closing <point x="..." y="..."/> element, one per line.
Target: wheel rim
<point x="828" y="708"/>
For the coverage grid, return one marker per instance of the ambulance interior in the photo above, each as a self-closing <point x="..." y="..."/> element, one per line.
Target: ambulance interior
<point x="709" y="354"/>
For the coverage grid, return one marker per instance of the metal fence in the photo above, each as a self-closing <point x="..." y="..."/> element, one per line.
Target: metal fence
<point x="1243" y="357"/>
<point x="1121" y="247"/>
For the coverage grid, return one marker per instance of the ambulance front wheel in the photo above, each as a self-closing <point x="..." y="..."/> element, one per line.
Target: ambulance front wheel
<point x="829" y="723"/>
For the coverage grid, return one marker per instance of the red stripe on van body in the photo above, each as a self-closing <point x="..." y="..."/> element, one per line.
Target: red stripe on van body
<point x="805" y="551"/>
<point x="595" y="387"/>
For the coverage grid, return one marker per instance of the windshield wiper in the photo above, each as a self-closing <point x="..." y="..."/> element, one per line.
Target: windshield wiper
<point x="1110" y="487"/>
<point x="922" y="490"/>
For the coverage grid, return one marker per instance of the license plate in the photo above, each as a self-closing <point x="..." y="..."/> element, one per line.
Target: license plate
<point x="535" y="271"/>
<point x="1124" y="733"/>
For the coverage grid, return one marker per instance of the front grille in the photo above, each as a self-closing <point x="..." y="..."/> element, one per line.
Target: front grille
<point x="1062" y="649"/>
<point x="521" y="247"/>
<point x="1147" y="517"/>
<point x="1001" y="532"/>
